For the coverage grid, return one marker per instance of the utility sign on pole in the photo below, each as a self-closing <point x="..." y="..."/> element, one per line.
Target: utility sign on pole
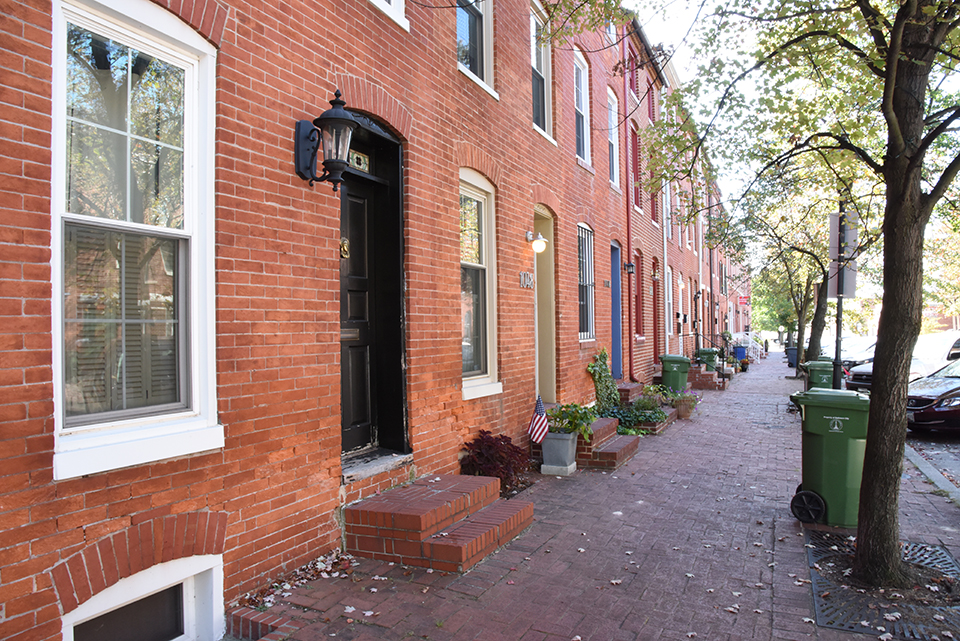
<point x="843" y="273"/>
<point x="843" y="247"/>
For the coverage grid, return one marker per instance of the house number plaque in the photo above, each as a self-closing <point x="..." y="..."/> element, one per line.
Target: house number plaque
<point x="526" y="280"/>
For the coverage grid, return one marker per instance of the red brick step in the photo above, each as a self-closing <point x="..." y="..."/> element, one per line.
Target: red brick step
<point x="443" y="522"/>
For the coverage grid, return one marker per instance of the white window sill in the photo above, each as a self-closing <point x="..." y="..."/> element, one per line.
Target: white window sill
<point x="483" y="85"/>
<point x="585" y="164"/>
<point x="93" y="449"/>
<point x="394" y="13"/>
<point x="545" y="135"/>
<point x="479" y="388"/>
<point x="592" y="339"/>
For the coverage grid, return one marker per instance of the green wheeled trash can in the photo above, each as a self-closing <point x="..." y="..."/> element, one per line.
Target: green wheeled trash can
<point x="675" y="368"/>
<point x="833" y="442"/>
<point x="709" y="357"/>
<point x="819" y="374"/>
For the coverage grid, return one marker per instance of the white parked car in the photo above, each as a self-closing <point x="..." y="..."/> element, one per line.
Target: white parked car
<point x="931" y="352"/>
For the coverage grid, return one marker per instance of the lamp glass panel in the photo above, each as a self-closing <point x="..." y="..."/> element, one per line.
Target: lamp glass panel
<point x="336" y="140"/>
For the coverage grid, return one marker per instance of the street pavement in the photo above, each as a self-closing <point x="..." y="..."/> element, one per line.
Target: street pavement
<point x="693" y="538"/>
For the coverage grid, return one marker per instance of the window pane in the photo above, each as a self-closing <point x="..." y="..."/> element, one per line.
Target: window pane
<point x="125" y="115"/>
<point x="158" y="175"/>
<point x="96" y="172"/>
<point x="96" y="79"/>
<point x="581" y="136"/>
<point x="471" y="234"/>
<point x="156" y="100"/>
<point x="472" y="307"/>
<point x="470" y="37"/>
<point x="539" y="104"/>
<point x="158" y="617"/>
<point x="122" y="341"/>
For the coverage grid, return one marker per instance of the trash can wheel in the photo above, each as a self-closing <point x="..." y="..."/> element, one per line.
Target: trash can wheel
<point x="808" y="507"/>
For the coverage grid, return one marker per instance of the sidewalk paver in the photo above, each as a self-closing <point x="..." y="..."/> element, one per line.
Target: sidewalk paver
<point x="693" y="536"/>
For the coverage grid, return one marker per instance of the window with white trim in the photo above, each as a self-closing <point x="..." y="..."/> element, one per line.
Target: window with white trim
<point x="185" y="594"/>
<point x="581" y="104"/>
<point x="396" y="9"/>
<point x="540" y="62"/>
<point x="475" y="39"/>
<point x="613" y="137"/>
<point x="585" y="282"/>
<point x="478" y="280"/>
<point x="132" y="237"/>
<point x="668" y="303"/>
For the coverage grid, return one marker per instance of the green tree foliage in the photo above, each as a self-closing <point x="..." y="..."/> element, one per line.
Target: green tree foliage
<point x="859" y="92"/>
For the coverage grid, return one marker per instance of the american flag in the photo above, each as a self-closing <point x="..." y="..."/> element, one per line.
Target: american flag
<point x="538" y="423"/>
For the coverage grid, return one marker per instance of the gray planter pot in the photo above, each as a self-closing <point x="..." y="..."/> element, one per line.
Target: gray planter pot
<point x="559" y="454"/>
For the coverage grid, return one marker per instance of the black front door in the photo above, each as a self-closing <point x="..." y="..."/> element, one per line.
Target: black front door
<point x="357" y="326"/>
<point x="373" y="405"/>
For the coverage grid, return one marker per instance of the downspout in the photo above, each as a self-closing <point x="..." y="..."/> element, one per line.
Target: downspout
<point x="630" y="191"/>
<point x="665" y="198"/>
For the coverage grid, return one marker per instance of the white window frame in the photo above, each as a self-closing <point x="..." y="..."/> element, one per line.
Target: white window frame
<point x="476" y="185"/>
<point x="395" y="10"/>
<point x="99" y="447"/>
<point x="613" y="136"/>
<point x="203" y="611"/>
<point x="581" y="101"/>
<point x="538" y="13"/>
<point x="668" y="302"/>
<point x="590" y="262"/>
<point x="485" y="7"/>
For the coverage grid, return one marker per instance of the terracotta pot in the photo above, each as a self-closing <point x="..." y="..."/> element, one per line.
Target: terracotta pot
<point x="684" y="407"/>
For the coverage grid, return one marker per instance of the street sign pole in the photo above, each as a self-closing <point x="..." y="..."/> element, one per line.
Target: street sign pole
<point x="841" y="237"/>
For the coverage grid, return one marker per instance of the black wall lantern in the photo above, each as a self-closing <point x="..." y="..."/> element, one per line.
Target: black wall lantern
<point x="333" y="128"/>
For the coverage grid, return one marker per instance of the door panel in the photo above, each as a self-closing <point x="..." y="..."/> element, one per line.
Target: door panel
<point x="357" y="332"/>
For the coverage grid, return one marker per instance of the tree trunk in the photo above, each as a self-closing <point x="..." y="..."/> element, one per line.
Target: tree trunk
<point x="907" y="210"/>
<point x="819" y="322"/>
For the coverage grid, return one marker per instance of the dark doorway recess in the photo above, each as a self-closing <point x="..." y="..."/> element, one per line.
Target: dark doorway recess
<point x="372" y="324"/>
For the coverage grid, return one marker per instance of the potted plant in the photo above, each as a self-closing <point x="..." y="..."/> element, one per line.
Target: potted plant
<point x="685" y="401"/>
<point x="560" y="443"/>
<point x="744" y="363"/>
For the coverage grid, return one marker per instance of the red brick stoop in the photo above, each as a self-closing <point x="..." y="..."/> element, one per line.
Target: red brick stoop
<point x="447" y="523"/>
<point x="246" y="623"/>
<point x="606" y="450"/>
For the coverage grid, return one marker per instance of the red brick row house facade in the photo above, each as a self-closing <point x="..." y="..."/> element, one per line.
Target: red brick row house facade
<point x="203" y="357"/>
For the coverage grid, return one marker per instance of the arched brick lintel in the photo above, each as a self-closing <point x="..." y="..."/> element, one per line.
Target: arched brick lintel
<point x="469" y="155"/>
<point x="208" y="17"/>
<point x="545" y="196"/>
<point x="103" y="563"/>
<point x="363" y="95"/>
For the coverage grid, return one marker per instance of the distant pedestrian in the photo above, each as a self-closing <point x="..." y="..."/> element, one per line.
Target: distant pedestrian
<point x="766" y="345"/>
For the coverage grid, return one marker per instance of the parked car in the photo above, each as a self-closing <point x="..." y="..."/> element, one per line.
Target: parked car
<point x="933" y="402"/>
<point x="931" y="352"/>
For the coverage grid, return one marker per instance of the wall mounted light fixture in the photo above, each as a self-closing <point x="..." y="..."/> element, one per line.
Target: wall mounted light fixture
<point x="333" y="129"/>
<point x="630" y="268"/>
<point x="655" y="275"/>
<point x="538" y="244"/>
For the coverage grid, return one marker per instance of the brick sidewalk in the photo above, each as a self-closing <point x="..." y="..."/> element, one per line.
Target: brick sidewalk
<point x="696" y="524"/>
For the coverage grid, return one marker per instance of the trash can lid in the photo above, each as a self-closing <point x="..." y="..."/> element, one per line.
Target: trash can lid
<point x="818" y="365"/>
<point x="673" y="358"/>
<point x="847" y="399"/>
<point x="709" y="350"/>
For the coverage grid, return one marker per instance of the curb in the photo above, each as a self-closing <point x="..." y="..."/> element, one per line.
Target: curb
<point x="938" y="479"/>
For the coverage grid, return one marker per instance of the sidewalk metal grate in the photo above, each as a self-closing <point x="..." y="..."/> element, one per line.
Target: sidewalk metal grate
<point x="849" y="610"/>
